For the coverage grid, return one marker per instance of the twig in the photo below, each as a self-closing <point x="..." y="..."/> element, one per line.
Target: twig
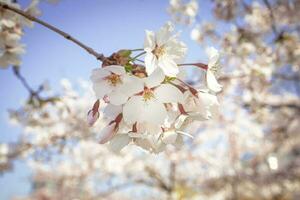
<point x="267" y="3"/>
<point x="99" y="56"/>
<point x="23" y="80"/>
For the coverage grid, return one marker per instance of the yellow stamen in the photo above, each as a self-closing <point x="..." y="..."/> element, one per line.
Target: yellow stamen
<point x="148" y="94"/>
<point x="114" y="79"/>
<point x="159" y="51"/>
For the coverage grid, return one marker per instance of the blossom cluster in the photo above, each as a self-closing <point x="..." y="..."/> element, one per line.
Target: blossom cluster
<point x="11" y="25"/>
<point x="149" y="104"/>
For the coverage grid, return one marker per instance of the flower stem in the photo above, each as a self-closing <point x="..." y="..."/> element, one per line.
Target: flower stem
<point x="200" y="65"/>
<point x="140" y="54"/>
<point x="136" y="49"/>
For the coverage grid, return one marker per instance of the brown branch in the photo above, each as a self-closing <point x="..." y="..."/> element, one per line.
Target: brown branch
<point x="99" y="56"/>
<point x="276" y="105"/>
<point x="17" y="73"/>
<point x="267" y="3"/>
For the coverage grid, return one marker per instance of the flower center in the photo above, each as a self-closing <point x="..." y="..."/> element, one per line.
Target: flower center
<point x="159" y="51"/>
<point x="114" y="79"/>
<point x="148" y="94"/>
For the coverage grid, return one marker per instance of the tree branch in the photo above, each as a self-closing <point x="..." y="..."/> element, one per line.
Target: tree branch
<point x="99" y="56"/>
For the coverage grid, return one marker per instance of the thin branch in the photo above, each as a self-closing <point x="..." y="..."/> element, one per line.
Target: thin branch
<point x="23" y="80"/>
<point x="99" y="56"/>
<point x="267" y="3"/>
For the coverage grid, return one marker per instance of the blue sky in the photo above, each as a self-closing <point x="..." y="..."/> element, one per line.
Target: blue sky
<point x="106" y="26"/>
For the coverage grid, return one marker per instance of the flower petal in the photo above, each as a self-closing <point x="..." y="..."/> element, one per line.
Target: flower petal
<point x="107" y="133"/>
<point x="156" y="78"/>
<point x="169" y="137"/>
<point x="150" y="63"/>
<point x="153" y="112"/>
<point x="119" y="142"/>
<point x="167" y="93"/>
<point x="168" y="66"/>
<point x="112" y="111"/>
<point x="212" y="82"/>
<point x="132" y="109"/>
<point x="98" y="74"/>
<point x="164" y="34"/>
<point x="149" y="43"/>
<point x="117" y="97"/>
<point x="132" y="85"/>
<point x="101" y="88"/>
<point x="116" y="69"/>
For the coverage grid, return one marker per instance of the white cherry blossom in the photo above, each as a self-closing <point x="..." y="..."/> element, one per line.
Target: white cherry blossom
<point x="149" y="106"/>
<point x="203" y="106"/>
<point x="163" y="50"/>
<point x="114" y="83"/>
<point x="213" y="69"/>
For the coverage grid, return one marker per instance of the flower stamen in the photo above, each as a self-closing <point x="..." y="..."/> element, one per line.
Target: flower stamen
<point x="159" y="51"/>
<point x="148" y="94"/>
<point x="114" y="79"/>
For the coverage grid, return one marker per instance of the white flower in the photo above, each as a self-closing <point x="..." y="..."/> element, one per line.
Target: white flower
<point x="149" y="106"/>
<point x="163" y="50"/>
<point x="201" y="107"/>
<point x="213" y="70"/>
<point x="113" y="83"/>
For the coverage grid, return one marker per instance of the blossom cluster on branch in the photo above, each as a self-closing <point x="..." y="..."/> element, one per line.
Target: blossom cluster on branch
<point x="149" y="104"/>
<point x="11" y="31"/>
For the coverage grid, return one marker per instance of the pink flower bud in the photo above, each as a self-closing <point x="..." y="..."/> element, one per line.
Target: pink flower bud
<point x="107" y="133"/>
<point x="92" y="117"/>
<point x="93" y="114"/>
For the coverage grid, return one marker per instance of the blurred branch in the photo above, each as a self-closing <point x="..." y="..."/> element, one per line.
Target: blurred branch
<point x="34" y="95"/>
<point x="268" y="5"/>
<point x="275" y="105"/>
<point x="99" y="56"/>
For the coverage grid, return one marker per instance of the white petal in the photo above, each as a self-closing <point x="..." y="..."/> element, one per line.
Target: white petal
<point x="155" y="79"/>
<point x="169" y="137"/>
<point x="101" y="88"/>
<point x="119" y="142"/>
<point x="153" y="112"/>
<point x="164" y="34"/>
<point x="185" y="134"/>
<point x="180" y="121"/>
<point x="112" y="111"/>
<point x="107" y="133"/>
<point x="132" y="109"/>
<point x="213" y="55"/>
<point x="149" y="43"/>
<point x="116" y="69"/>
<point x="168" y="66"/>
<point x="98" y="74"/>
<point x="132" y="85"/>
<point x="143" y="143"/>
<point x="212" y="82"/>
<point x="150" y="63"/>
<point x="117" y="97"/>
<point x="167" y="93"/>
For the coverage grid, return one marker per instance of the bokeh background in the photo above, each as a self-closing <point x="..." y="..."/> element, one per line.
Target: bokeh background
<point x="250" y="151"/>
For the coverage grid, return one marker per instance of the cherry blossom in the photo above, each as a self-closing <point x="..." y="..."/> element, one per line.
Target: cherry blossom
<point x="163" y="50"/>
<point x="213" y="70"/>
